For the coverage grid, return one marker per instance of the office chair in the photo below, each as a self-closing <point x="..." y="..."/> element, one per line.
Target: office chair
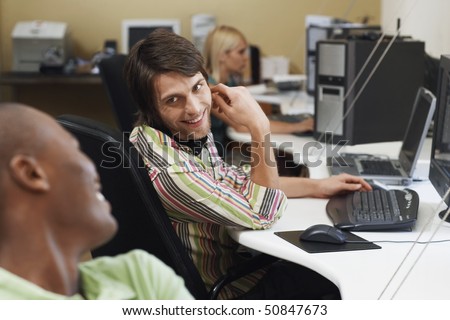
<point x="252" y="73"/>
<point x="143" y="222"/>
<point x="122" y="103"/>
<point x="255" y="64"/>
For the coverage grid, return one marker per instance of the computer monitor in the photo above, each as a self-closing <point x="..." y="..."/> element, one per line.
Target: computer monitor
<point x="136" y="29"/>
<point x="440" y="151"/>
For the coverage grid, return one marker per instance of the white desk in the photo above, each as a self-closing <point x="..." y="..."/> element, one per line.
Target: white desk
<point x="365" y="274"/>
<point x="296" y="145"/>
<point x="306" y="149"/>
<point x="290" y="102"/>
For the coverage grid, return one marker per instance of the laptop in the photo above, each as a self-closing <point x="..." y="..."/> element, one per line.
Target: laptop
<point x="393" y="171"/>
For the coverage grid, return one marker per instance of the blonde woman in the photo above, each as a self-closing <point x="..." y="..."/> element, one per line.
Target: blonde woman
<point x="226" y="58"/>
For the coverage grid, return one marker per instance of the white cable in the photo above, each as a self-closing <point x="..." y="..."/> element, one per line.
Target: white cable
<point x="425" y="247"/>
<point x="412" y="247"/>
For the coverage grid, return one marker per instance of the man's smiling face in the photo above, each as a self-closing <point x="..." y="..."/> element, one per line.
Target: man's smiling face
<point x="184" y="104"/>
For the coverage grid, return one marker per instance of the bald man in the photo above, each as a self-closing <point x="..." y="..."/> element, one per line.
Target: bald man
<point x="52" y="212"/>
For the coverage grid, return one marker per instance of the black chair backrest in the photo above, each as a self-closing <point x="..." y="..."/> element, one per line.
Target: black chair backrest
<point x="123" y="105"/>
<point x="255" y="64"/>
<point x="143" y="222"/>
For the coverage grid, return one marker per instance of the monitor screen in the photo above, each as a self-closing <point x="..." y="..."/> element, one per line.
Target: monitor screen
<point x="135" y="30"/>
<point x="440" y="153"/>
<point x="419" y="123"/>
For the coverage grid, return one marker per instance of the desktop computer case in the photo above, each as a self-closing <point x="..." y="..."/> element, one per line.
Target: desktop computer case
<point x="380" y="112"/>
<point x="335" y="30"/>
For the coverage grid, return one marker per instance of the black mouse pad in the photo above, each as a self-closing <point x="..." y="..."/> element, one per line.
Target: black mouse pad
<point x="317" y="247"/>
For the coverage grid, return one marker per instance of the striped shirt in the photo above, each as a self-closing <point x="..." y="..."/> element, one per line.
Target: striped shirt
<point x="202" y="195"/>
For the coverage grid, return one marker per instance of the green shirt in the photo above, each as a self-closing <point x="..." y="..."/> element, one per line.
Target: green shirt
<point x="134" y="275"/>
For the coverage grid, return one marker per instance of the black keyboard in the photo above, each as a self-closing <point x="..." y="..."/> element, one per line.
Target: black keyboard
<point x="374" y="210"/>
<point x="379" y="167"/>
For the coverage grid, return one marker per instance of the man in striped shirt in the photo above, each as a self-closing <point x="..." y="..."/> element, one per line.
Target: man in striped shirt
<point x="200" y="192"/>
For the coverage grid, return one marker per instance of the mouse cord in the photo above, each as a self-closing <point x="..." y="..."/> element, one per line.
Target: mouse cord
<point x="394" y="241"/>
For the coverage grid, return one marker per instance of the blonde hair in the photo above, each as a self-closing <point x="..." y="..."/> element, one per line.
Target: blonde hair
<point x="220" y="40"/>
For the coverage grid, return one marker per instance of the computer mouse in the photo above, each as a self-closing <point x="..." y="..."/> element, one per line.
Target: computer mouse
<point x="323" y="233"/>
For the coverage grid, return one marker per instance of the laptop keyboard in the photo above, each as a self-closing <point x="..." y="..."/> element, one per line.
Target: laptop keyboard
<point x="378" y="167"/>
<point x="374" y="210"/>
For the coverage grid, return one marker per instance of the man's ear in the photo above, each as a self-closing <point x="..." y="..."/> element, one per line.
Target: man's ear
<point x="27" y="172"/>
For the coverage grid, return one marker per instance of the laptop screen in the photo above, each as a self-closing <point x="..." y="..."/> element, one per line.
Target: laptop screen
<point x="416" y="132"/>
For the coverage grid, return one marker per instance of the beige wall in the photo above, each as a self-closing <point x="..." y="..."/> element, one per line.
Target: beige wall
<point x="276" y="26"/>
<point x="424" y="20"/>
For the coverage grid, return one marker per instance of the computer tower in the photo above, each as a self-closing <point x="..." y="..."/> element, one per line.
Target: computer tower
<point x="371" y="104"/>
<point x="335" y="29"/>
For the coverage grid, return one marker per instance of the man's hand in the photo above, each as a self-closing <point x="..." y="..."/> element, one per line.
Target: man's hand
<point x="240" y="107"/>
<point x="340" y="184"/>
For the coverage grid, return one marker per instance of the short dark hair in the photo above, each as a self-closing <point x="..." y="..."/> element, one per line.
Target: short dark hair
<point x="162" y="51"/>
